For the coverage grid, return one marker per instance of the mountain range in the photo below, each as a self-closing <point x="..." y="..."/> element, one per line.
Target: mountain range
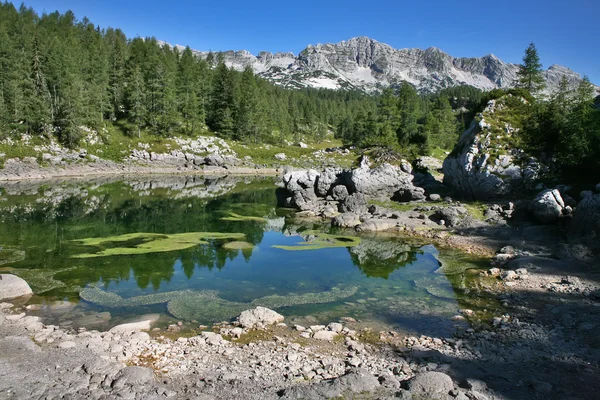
<point x="365" y="64"/>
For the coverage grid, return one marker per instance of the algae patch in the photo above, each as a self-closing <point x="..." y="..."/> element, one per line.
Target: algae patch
<point x="207" y="305"/>
<point x="145" y="243"/>
<point x="238" y="245"/>
<point x="315" y="240"/>
<point x="242" y="218"/>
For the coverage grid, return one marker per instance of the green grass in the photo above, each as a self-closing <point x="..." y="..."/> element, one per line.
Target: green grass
<point x="476" y="209"/>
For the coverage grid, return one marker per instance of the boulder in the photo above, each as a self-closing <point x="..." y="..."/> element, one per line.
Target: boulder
<point x="585" y="225"/>
<point x="325" y="335"/>
<point x="346" y="220"/>
<point x="483" y="165"/>
<point x="133" y="376"/>
<point x="380" y="182"/>
<point x="339" y="192"/>
<point x="377" y="225"/>
<point x="301" y="188"/>
<point x="302" y="145"/>
<point x="547" y="206"/>
<point x="280" y="156"/>
<point x="12" y="286"/>
<point x="214" y="160"/>
<point x="143" y="324"/>
<point x="326" y="179"/>
<point x="409" y="194"/>
<point x="355" y="203"/>
<point x="259" y="317"/>
<point x="430" y="385"/>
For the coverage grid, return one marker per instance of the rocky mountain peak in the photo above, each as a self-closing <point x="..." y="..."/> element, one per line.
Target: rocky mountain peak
<point x="363" y="63"/>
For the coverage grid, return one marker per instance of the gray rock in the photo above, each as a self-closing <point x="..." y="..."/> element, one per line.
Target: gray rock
<point x="280" y="156"/>
<point x="585" y="193"/>
<point x="259" y="317"/>
<point x="325" y="335"/>
<point x="377" y="225"/>
<point x="346" y="220"/>
<point x="134" y="376"/>
<point x="471" y="170"/>
<point x="430" y="384"/>
<point x="547" y="206"/>
<point x="339" y="192"/>
<point x="435" y="197"/>
<point x="144" y="323"/>
<point x="586" y="221"/>
<point x="302" y="145"/>
<point x="12" y="286"/>
<point x="326" y="179"/>
<point x="380" y="182"/>
<point x="598" y="188"/>
<point x="355" y="203"/>
<point x="214" y="160"/>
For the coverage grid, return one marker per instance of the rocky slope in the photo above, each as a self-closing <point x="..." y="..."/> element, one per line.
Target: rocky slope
<point x="487" y="161"/>
<point x="366" y="64"/>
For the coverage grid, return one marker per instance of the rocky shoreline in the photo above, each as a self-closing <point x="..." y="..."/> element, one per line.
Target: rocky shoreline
<point x="260" y="356"/>
<point x="543" y="345"/>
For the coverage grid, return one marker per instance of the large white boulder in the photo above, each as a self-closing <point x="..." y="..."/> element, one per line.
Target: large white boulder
<point x="12" y="286"/>
<point x="259" y="317"/>
<point x="547" y="206"/>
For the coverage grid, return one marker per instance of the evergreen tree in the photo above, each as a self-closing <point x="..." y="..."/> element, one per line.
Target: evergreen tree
<point x="222" y="103"/>
<point x="530" y="75"/>
<point x="408" y="105"/>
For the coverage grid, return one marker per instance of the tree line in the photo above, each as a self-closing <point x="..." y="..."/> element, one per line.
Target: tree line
<point x="564" y="127"/>
<point x="58" y="74"/>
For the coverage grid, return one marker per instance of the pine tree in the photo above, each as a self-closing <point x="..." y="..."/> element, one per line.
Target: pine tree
<point x="136" y="103"/>
<point x="530" y="75"/>
<point x="408" y="105"/>
<point x="222" y="102"/>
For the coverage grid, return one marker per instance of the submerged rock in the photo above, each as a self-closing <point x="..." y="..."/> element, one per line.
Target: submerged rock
<point x="143" y="324"/>
<point x="12" y="286"/>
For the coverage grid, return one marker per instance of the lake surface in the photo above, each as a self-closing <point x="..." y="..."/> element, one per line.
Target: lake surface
<point x="200" y="250"/>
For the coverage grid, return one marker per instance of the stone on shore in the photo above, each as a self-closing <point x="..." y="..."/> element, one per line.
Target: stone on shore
<point x="143" y="324"/>
<point x="547" y="206"/>
<point x="12" y="286"/>
<point x="430" y="385"/>
<point x="259" y="317"/>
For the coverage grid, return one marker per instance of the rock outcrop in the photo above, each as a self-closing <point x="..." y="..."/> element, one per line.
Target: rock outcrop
<point x="12" y="286"/>
<point x="335" y="190"/>
<point x="483" y="164"/>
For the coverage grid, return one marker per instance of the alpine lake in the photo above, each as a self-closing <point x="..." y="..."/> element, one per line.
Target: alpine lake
<point x="199" y="250"/>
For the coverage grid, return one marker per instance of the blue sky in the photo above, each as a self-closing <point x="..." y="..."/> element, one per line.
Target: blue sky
<point x="564" y="32"/>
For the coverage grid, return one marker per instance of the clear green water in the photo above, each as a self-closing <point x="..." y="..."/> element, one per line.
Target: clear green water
<point x="381" y="281"/>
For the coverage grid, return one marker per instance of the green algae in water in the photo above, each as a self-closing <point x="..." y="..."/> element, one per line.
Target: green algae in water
<point x="207" y="304"/>
<point x="42" y="280"/>
<point x="210" y="282"/>
<point x="319" y="240"/>
<point x="242" y="218"/>
<point x="152" y="242"/>
<point x="9" y="255"/>
<point x="238" y="245"/>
